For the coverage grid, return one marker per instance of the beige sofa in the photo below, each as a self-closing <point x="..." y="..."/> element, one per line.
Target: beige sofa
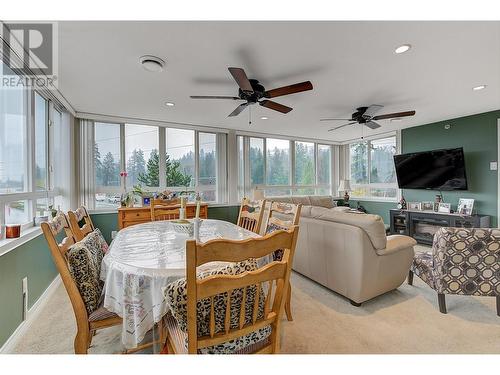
<point x="347" y="252"/>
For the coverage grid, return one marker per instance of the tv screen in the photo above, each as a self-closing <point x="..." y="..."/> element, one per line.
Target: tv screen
<point x="432" y="170"/>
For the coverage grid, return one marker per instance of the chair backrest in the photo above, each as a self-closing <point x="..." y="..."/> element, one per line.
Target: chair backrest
<point x="251" y="213"/>
<point x="75" y="217"/>
<point x="466" y="261"/>
<point x="282" y="215"/>
<point x="262" y="280"/>
<point x="59" y="251"/>
<point x="163" y="211"/>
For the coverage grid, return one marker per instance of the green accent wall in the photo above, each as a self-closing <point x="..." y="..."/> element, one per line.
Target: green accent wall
<point x="378" y="208"/>
<point x="477" y="134"/>
<point x="226" y="213"/>
<point x="107" y="223"/>
<point x="33" y="260"/>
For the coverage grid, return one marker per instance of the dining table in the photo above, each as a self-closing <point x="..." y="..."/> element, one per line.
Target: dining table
<point x="142" y="260"/>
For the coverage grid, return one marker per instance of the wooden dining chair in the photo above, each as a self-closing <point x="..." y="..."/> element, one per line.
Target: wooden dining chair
<point x="282" y="216"/>
<point x="77" y="216"/>
<point x="163" y="211"/>
<point x="251" y="213"/>
<point x="88" y="320"/>
<point x="232" y="309"/>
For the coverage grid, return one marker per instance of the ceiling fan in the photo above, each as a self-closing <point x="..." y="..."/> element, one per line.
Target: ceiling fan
<point x="366" y="116"/>
<point x="253" y="92"/>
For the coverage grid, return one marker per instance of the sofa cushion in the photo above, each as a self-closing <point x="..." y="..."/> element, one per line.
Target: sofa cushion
<point x="322" y="201"/>
<point x="372" y="225"/>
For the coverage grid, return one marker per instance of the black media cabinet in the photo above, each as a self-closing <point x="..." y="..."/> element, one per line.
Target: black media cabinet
<point x="421" y="225"/>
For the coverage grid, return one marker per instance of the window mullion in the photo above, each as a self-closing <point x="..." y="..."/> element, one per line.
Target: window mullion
<point x="291" y="182"/>
<point x="162" y="149"/>
<point x="123" y="183"/>
<point x="196" y="159"/>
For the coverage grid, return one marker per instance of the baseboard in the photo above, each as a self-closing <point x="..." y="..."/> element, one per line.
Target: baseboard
<point x="31" y="317"/>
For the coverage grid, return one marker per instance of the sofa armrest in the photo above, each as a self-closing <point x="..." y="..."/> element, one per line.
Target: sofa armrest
<point x="395" y="243"/>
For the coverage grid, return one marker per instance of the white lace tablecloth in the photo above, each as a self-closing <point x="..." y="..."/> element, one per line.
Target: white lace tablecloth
<point x="141" y="261"/>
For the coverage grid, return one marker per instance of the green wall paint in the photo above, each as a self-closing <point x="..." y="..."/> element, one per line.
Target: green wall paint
<point x="378" y="208"/>
<point x="31" y="259"/>
<point x="477" y="134"/>
<point x="226" y="213"/>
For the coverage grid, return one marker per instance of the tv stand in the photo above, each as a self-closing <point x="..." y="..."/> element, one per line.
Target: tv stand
<point x="421" y="225"/>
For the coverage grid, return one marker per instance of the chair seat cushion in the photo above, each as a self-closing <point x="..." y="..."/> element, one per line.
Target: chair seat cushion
<point x="100" y="314"/>
<point x="176" y="296"/>
<point x="423" y="267"/>
<point x="247" y="344"/>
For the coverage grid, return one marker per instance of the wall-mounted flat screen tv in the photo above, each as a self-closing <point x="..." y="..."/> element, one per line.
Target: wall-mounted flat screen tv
<point x="432" y="170"/>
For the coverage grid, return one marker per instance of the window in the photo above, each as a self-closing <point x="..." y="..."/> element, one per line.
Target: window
<point x="180" y="163"/>
<point x="13" y="141"/>
<point x="208" y="167"/>
<point x="256" y="161"/>
<point x="372" y="169"/>
<point x="142" y="155"/>
<point x="155" y="159"/>
<point x="26" y="184"/>
<point x="266" y="163"/>
<point x="107" y="162"/>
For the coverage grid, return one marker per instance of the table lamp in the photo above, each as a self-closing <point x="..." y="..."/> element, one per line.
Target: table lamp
<point x="345" y="186"/>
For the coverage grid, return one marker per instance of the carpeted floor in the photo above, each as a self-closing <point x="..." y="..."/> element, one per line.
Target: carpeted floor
<point x="406" y="320"/>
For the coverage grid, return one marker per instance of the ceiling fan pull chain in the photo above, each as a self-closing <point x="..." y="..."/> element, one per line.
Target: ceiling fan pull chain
<point x="250" y="115"/>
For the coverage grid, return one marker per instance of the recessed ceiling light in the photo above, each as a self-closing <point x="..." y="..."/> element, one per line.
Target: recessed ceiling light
<point x="396" y="119"/>
<point x="169" y="104"/>
<point x="264" y="118"/>
<point x="403" y="48"/>
<point x="152" y="63"/>
<point x="480" y="87"/>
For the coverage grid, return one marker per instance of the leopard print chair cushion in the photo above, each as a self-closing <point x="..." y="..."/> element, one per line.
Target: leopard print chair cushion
<point x="176" y="295"/>
<point x="84" y="263"/>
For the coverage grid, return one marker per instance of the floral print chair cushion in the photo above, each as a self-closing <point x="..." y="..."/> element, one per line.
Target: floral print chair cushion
<point x="176" y="295"/>
<point x="84" y="263"/>
<point x="102" y="242"/>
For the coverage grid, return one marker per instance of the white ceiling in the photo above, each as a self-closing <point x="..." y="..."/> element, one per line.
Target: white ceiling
<point x="350" y="64"/>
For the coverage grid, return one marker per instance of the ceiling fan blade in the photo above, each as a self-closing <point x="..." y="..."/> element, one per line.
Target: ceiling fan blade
<point x="241" y="79"/>
<point x="238" y="110"/>
<point x="214" y="97"/>
<point x="286" y="90"/>
<point x="335" y="119"/>
<point x="394" y="115"/>
<point x="371" y="110"/>
<point x="276" y="106"/>
<point x="342" y="126"/>
<point x="372" y="125"/>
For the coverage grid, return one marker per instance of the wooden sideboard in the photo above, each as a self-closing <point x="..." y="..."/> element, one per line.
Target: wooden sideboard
<point x="128" y="216"/>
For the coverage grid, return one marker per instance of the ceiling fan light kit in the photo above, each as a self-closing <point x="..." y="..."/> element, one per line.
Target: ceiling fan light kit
<point x="253" y="92"/>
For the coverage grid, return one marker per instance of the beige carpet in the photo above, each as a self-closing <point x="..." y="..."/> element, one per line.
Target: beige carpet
<point x="406" y="320"/>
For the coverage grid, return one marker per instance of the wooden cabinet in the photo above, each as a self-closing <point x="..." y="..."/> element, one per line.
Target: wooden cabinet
<point x="128" y="216"/>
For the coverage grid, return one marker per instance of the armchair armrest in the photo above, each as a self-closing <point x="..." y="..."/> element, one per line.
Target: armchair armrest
<point x="395" y="243"/>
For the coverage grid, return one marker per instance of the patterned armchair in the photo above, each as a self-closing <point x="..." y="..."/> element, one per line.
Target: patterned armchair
<point x="462" y="261"/>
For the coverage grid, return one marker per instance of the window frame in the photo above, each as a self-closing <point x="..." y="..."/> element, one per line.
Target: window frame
<point x="88" y="137"/>
<point x="248" y="187"/>
<point x="31" y="194"/>
<point x="370" y="185"/>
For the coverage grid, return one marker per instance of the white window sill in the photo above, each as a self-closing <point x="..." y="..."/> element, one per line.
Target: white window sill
<point x="8" y="244"/>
